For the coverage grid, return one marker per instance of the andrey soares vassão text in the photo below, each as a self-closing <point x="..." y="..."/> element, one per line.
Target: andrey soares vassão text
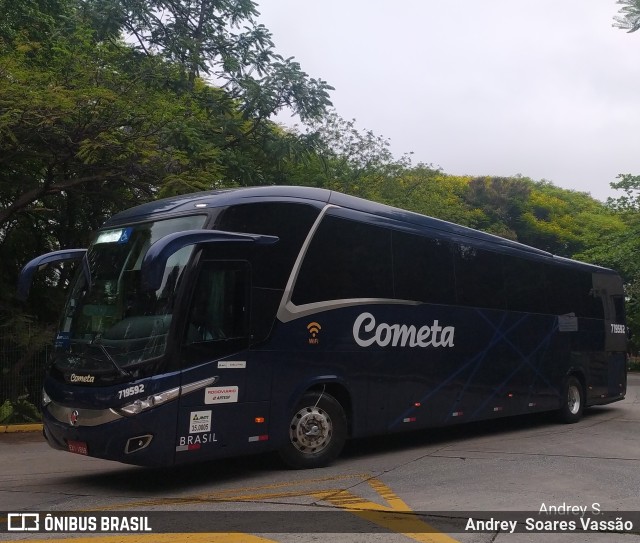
<point x="556" y="518"/>
<point x="530" y="524"/>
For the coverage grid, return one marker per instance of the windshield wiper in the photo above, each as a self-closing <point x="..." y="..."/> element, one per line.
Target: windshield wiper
<point x="121" y="371"/>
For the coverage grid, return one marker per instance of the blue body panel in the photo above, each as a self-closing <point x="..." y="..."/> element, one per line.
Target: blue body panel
<point x="500" y="364"/>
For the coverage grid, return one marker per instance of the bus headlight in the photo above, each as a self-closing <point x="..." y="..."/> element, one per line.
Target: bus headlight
<point x="140" y="405"/>
<point x="45" y="398"/>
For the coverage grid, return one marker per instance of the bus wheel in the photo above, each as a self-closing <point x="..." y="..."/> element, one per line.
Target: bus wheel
<point x="572" y="401"/>
<point x="317" y="432"/>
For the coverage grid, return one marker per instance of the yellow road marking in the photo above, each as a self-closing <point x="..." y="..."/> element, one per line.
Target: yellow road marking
<point x="206" y="499"/>
<point x="361" y="476"/>
<point x="251" y="493"/>
<point x="405" y="524"/>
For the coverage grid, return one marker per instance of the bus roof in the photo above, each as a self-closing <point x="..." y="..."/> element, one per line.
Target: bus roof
<point x="201" y="201"/>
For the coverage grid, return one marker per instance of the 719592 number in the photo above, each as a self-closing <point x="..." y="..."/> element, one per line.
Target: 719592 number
<point x="130" y="391"/>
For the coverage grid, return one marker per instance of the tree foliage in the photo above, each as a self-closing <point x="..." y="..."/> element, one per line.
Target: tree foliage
<point x="221" y="41"/>
<point x="629" y="15"/>
<point x="31" y="20"/>
<point x="341" y="157"/>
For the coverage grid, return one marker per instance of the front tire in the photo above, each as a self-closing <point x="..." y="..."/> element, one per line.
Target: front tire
<point x="572" y="401"/>
<point x="317" y="432"/>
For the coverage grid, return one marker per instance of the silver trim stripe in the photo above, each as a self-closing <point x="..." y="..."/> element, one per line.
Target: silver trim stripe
<point x="96" y="417"/>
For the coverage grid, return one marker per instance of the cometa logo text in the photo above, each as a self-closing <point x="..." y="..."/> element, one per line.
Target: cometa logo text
<point x="366" y="333"/>
<point x="82" y="378"/>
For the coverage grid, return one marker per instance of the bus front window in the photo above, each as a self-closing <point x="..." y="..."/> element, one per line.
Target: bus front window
<point x="110" y="324"/>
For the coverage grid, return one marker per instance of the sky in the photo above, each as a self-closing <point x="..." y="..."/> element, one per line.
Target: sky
<point x="547" y="89"/>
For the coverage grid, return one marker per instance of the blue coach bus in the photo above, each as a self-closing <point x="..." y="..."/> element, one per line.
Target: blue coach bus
<point x="290" y="319"/>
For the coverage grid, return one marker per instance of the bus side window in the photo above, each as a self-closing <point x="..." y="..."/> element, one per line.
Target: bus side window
<point x="526" y="285"/>
<point x="346" y="260"/>
<point x="571" y="291"/>
<point x="479" y="277"/>
<point x="219" y="310"/>
<point x="423" y="269"/>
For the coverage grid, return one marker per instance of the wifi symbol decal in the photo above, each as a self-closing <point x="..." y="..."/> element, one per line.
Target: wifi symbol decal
<point x="314" y="328"/>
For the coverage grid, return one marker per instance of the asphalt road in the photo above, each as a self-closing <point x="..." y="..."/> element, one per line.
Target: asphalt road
<point x="425" y="486"/>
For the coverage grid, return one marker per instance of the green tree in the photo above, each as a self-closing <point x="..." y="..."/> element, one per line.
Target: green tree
<point x="339" y="156"/>
<point x="97" y="117"/>
<point x="564" y="222"/>
<point x="221" y="41"/>
<point x="32" y="20"/>
<point x="425" y="189"/>
<point x="502" y="200"/>
<point x="629" y="15"/>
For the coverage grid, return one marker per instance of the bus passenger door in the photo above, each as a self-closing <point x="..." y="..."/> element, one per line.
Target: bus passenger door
<point x="213" y="355"/>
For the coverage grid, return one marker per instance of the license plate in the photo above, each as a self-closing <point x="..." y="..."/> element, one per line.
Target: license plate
<point x="78" y="447"/>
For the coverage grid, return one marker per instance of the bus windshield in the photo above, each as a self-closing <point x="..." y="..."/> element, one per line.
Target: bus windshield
<point x="110" y="323"/>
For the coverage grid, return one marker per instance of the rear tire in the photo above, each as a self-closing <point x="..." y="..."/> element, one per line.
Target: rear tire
<point x="316" y="434"/>
<point x="572" y="401"/>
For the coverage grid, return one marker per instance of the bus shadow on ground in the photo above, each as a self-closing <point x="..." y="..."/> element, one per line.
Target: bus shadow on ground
<point x="548" y="421"/>
<point x="145" y="481"/>
<point x="137" y="481"/>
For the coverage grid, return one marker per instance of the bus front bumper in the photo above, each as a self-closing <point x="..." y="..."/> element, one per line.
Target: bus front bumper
<point x="144" y="439"/>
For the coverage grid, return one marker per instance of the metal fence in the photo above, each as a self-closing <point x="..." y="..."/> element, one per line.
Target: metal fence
<point x="21" y="377"/>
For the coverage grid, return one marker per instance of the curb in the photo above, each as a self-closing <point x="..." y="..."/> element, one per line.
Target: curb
<point x="12" y="428"/>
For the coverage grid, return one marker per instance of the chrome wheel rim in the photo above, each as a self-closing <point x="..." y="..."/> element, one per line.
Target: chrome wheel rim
<point x="311" y="429"/>
<point x="573" y="399"/>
